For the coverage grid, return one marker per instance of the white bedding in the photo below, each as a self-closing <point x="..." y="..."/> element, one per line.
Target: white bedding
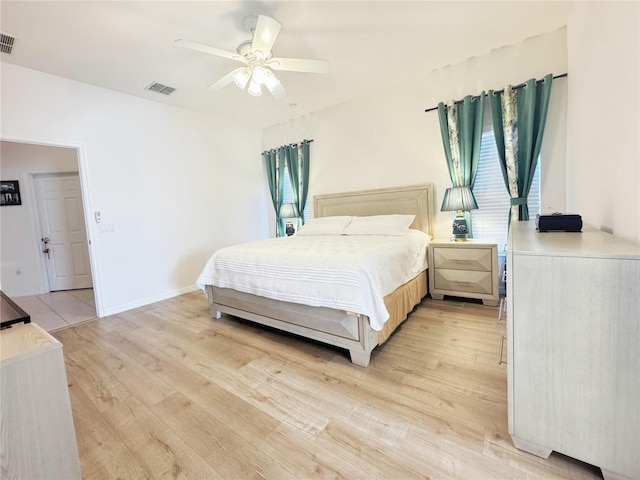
<point x="351" y="273"/>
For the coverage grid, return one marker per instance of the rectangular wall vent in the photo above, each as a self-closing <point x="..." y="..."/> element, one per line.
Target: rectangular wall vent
<point x="6" y="43"/>
<point x="160" y="88"/>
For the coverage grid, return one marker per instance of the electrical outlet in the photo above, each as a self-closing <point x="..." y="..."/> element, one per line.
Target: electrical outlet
<point x="106" y="228"/>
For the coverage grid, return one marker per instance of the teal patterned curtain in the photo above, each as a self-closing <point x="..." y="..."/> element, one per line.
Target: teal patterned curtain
<point x="519" y="116"/>
<point x="461" y="131"/>
<point x="298" y="165"/>
<point x="275" y="172"/>
<point x="304" y="181"/>
<point x="270" y="162"/>
<point x="282" y="161"/>
<point x="294" y="177"/>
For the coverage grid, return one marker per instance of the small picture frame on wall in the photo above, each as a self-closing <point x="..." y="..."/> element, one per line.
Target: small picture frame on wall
<point x="10" y="193"/>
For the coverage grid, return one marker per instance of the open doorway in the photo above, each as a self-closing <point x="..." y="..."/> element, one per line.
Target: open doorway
<point x="29" y="273"/>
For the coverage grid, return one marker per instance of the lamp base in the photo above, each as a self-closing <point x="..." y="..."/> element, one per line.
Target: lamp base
<point x="460" y="231"/>
<point x="289" y="229"/>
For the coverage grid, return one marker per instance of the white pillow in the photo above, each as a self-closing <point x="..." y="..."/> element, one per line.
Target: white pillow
<point x="380" y="225"/>
<point x="325" y="226"/>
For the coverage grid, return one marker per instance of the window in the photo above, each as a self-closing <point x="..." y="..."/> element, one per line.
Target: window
<point x="490" y="221"/>
<point x="287" y="193"/>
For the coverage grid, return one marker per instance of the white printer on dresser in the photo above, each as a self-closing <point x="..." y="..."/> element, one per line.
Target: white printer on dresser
<point x="573" y="332"/>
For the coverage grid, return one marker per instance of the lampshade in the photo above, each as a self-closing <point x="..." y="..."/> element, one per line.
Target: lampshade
<point x="288" y="210"/>
<point x="241" y="77"/>
<point x="254" y="88"/>
<point x="270" y="80"/>
<point x="259" y="74"/>
<point x="458" y="198"/>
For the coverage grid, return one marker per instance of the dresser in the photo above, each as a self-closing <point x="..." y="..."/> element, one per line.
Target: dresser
<point x="10" y="312"/>
<point x="38" y="439"/>
<point x="573" y="346"/>
<point x="464" y="269"/>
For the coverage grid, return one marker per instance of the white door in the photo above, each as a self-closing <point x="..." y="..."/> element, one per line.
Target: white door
<point x="64" y="235"/>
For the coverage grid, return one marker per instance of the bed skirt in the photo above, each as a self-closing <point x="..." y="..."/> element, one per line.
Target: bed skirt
<point x="400" y="303"/>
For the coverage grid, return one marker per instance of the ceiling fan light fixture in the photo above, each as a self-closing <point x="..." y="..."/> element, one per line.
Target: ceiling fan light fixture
<point x="257" y="56"/>
<point x="259" y="74"/>
<point x="254" y="88"/>
<point x="270" y="81"/>
<point x="241" y="77"/>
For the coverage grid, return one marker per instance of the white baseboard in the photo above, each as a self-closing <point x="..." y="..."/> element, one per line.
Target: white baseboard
<point x="146" y="301"/>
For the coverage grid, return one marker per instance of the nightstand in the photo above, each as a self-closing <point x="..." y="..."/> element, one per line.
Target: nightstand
<point x="464" y="269"/>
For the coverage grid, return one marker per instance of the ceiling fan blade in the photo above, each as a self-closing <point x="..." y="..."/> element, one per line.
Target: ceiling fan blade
<point x="264" y="36"/>
<point x="207" y="49"/>
<point x="278" y="92"/>
<point x="299" y="65"/>
<point x="224" y="81"/>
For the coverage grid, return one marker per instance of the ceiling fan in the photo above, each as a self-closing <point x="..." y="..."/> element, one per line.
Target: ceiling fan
<point x="258" y="62"/>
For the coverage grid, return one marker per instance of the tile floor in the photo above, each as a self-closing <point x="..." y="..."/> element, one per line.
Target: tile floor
<point x="56" y="310"/>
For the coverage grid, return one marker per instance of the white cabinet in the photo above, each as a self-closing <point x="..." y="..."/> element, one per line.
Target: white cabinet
<point x="464" y="269"/>
<point x="38" y="440"/>
<point x="573" y="330"/>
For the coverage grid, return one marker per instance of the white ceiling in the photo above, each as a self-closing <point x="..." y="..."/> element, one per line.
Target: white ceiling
<point x="370" y="45"/>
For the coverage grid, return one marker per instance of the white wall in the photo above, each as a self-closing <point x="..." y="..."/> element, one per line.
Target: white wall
<point x="603" y="112"/>
<point x="388" y="140"/>
<point x="22" y="272"/>
<point x="176" y="185"/>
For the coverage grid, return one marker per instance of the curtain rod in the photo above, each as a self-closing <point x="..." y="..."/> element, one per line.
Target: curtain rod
<point x="301" y="141"/>
<point x="275" y="148"/>
<point x="562" y="75"/>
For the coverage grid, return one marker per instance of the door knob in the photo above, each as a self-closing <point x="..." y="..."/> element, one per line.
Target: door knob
<point x="45" y="240"/>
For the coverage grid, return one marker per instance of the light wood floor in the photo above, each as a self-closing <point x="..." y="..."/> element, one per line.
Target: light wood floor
<point x="164" y="391"/>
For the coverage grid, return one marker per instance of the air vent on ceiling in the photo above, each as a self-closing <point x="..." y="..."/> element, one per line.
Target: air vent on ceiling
<point x="6" y="43"/>
<point x="160" y="88"/>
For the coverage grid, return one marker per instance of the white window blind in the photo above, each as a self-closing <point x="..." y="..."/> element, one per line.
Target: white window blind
<point x="287" y="192"/>
<point x="489" y="221"/>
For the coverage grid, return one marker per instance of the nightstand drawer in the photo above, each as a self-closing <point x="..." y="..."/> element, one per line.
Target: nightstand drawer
<point x="464" y="281"/>
<point x="479" y="259"/>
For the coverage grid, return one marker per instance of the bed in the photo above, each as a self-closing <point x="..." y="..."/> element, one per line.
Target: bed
<point x="343" y="327"/>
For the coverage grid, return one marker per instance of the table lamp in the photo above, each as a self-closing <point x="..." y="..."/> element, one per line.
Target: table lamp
<point x="459" y="199"/>
<point x="288" y="211"/>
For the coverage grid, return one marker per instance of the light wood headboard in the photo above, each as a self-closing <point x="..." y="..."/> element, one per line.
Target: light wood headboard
<point x="414" y="200"/>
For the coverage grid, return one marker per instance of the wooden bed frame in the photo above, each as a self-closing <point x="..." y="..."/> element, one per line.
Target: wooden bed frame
<point x="336" y="327"/>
